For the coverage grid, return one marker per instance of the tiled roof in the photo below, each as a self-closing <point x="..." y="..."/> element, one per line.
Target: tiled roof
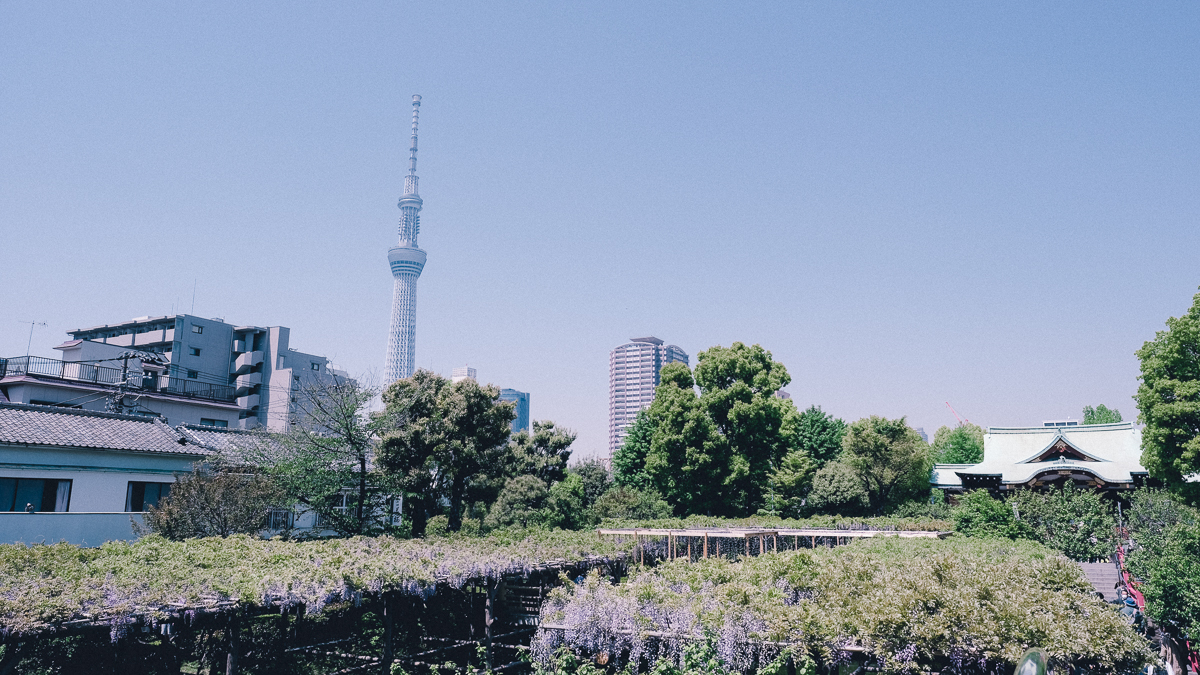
<point x="232" y="444"/>
<point x="66" y="427"/>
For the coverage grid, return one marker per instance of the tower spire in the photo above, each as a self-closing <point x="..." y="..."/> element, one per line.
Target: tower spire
<point x="410" y="181"/>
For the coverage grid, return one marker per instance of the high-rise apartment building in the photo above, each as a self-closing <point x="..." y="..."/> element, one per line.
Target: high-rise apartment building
<point x="407" y="261"/>
<point x="633" y="373"/>
<point x="462" y="373"/>
<point x="521" y="399"/>
<point x="182" y="368"/>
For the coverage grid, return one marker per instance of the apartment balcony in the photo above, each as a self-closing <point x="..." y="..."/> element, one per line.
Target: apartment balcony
<point x="107" y="376"/>
<point x="248" y="401"/>
<point x="245" y="362"/>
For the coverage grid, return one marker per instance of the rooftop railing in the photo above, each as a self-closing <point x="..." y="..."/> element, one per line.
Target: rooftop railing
<point x="91" y="373"/>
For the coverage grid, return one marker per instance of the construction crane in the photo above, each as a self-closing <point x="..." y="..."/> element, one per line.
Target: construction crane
<point x="961" y="421"/>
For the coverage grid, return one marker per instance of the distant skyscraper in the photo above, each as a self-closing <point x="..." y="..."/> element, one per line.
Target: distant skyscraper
<point x="633" y="373"/>
<point x="463" y="373"/>
<point x="521" y="421"/>
<point x="407" y="261"/>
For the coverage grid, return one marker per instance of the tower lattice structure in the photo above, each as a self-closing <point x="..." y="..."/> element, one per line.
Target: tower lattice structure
<point x="407" y="261"/>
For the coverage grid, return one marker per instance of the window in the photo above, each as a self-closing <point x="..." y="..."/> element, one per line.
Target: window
<point x="193" y="375"/>
<point x="195" y="351"/>
<point x="316" y="366"/>
<point x="220" y="424"/>
<point x="139" y="495"/>
<point x="44" y="494"/>
<point x="197" y="329"/>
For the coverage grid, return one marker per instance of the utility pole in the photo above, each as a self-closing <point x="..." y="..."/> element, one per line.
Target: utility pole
<point x="30" y="343"/>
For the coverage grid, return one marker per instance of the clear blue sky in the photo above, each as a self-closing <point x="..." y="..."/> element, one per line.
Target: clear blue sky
<point x="907" y="203"/>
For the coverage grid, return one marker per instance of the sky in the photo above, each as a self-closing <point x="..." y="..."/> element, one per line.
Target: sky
<point x="908" y="204"/>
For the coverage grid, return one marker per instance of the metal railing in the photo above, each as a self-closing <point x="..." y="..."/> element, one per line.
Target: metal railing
<point x="75" y="371"/>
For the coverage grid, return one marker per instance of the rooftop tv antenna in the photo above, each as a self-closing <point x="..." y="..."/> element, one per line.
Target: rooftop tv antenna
<point x="30" y="342"/>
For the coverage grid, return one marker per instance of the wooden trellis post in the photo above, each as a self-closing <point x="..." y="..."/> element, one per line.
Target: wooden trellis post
<point x="489" y="615"/>
<point x="389" y="620"/>
<point x="706" y="546"/>
<point x="231" y="632"/>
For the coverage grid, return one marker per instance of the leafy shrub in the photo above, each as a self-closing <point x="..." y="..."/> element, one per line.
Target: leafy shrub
<point x="219" y="504"/>
<point x="521" y="502"/>
<point x="978" y="514"/>
<point x="769" y="522"/>
<point x="837" y="489"/>
<point x="438" y="526"/>
<point x="938" y="510"/>
<point x="622" y="502"/>
<point x="1080" y="523"/>
<point x="913" y="604"/>
<point x="1165" y="542"/>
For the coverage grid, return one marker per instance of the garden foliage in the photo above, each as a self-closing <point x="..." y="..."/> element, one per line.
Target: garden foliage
<point x="968" y="605"/>
<point x="44" y="586"/>
<point x="1165" y="558"/>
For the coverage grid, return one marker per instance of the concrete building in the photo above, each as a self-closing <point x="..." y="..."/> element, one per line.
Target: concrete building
<point x="462" y="373"/>
<point x="183" y="368"/>
<point x="85" y="476"/>
<point x="407" y="261"/>
<point x="1096" y="456"/>
<point x="633" y="373"/>
<point x="521" y="399"/>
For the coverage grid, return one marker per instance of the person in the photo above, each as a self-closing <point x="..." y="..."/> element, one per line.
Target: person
<point x="28" y="507"/>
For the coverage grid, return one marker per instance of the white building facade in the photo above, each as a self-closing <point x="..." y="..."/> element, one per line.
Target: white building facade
<point x="633" y="374"/>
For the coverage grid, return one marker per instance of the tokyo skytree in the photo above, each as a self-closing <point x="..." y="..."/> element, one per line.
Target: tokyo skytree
<point x="407" y="261"/>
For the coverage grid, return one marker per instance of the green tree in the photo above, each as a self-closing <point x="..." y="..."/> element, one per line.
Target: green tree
<point x="738" y="386"/>
<point x="441" y="439"/>
<point x="838" y="490"/>
<point x="595" y="477"/>
<point x="1167" y="534"/>
<point x="627" y="503"/>
<point x="568" y="505"/>
<point x="688" y="461"/>
<point x="1101" y="414"/>
<point x="962" y="444"/>
<point x="1168" y="401"/>
<point x="818" y="434"/>
<point x="544" y="453"/>
<point x="523" y="501"/>
<point x="978" y="514"/>
<point x="890" y="459"/>
<point x="790" y="484"/>
<point x="629" y="461"/>
<point x="324" y="461"/>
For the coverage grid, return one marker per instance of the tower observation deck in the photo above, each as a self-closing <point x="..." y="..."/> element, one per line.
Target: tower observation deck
<point x="407" y="261"/>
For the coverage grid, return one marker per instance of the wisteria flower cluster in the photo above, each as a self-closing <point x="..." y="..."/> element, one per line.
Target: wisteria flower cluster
<point x="46" y="586"/>
<point x="904" y="605"/>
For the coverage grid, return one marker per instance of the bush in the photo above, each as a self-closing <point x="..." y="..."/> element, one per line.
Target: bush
<point x="979" y="515"/>
<point x="1165" y="535"/>
<point x="437" y="526"/>
<point x="629" y="503"/>
<point x="522" y="502"/>
<point x="1080" y="523"/>
<point x="837" y="489"/>
<point x="218" y="504"/>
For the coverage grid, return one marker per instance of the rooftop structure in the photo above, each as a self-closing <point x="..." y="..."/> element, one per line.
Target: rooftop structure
<point x="183" y="368"/>
<point x="462" y="373"/>
<point x="407" y="261"/>
<point x="1102" y="456"/>
<point x="633" y="373"/>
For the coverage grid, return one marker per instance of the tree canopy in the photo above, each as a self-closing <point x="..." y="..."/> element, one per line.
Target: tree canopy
<point x="441" y="439"/>
<point x="1101" y="414"/>
<point x="818" y="434"/>
<point x="962" y="444"/>
<point x="890" y="458"/>
<point x="1168" y="401"/>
